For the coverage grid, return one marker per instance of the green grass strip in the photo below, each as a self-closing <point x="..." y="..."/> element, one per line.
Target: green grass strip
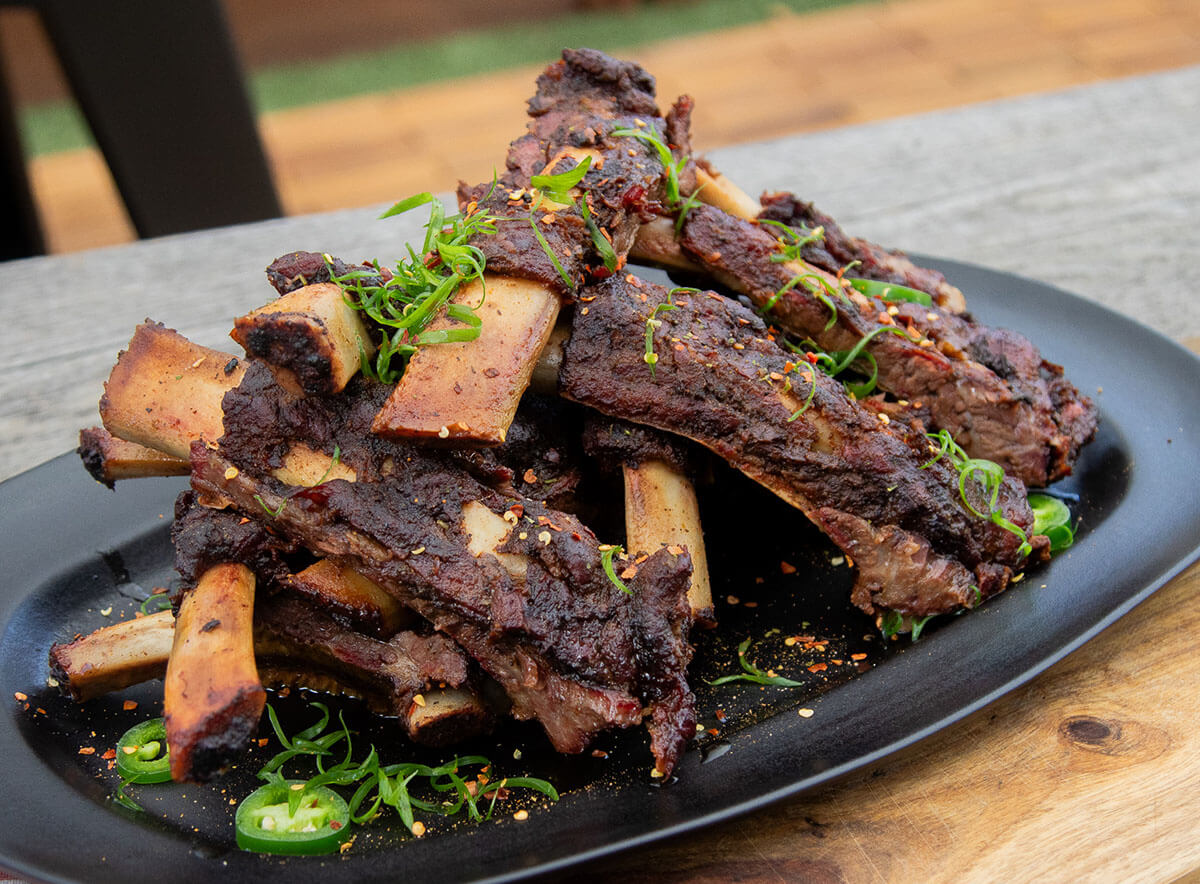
<point x="59" y="126"/>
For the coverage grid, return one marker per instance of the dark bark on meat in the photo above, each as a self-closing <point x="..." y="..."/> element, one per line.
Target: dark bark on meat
<point x="988" y="387"/>
<point x="720" y="382"/>
<point x="389" y="674"/>
<point x="542" y="456"/>
<point x="580" y="100"/>
<point x="567" y="645"/>
<point x="203" y="537"/>
<point x="836" y="249"/>
<point x="618" y="443"/>
<point x="298" y="269"/>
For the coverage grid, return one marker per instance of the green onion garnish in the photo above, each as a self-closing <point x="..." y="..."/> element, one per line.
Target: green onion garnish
<point x="671" y="165"/>
<point x="752" y="673"/>
<point x="607" y="551"/>
<point x="988" y="475"/>
<point x="652" y="323"/>
<point x="419" y="290"/>
<point x="792" y="241"/>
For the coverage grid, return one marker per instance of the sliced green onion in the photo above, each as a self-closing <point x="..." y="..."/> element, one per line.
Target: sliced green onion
<point x="652" y="323"/>
<point x="607" y="551"/>
<point x="753" y="674"/>
<point x="558" y="187"/>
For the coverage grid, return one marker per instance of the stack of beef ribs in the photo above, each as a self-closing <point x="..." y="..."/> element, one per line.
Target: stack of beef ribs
<point x="535" y="611"/>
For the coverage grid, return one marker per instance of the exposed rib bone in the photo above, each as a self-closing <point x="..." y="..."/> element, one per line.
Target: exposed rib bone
<point x="311" y="337"/>
<point x="109" y="459"/>
<point x="181" y="403"/>
<point x="661" y="510"/>
<point x="336" y="586"/>
<point x="115" y="657"/>
<point x="469" y="391"/>
<point x="212" y="696"/>
<point x="135" y="651"/>
<point x="166" y="391"/>
<point x="715" y="189"/>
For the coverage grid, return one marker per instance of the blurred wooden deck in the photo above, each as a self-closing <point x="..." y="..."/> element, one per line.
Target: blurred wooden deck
<point x="791" y="74"/>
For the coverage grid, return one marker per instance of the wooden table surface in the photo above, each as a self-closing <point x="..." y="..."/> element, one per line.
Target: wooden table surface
<point x="1091" y="772"/>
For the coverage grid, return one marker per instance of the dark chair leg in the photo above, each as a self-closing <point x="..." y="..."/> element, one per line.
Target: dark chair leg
<point x="20" y="232"/>
<point x="161" y="87"/>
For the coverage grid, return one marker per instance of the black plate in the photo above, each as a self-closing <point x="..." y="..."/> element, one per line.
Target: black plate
<point x="71" y="549"/>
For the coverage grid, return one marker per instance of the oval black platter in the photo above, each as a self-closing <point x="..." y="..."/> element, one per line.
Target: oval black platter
<point x="72" y="550"/>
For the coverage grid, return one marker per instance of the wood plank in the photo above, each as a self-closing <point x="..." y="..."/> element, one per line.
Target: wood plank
<point x="794" y="73"/>
<point x="1072" y="766"/>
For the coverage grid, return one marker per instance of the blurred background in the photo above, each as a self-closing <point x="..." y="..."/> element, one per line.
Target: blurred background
<point x="362" y="102"/>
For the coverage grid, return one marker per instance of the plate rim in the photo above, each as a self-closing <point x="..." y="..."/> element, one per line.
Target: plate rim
<point x="1166" y="350"/>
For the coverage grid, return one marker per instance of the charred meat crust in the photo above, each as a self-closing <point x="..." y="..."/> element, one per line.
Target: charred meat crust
<point x="616" y="443"/>
<point x="567" y="645"/>
<point x="836" y="249"/>
<point x="722" y="383"/>
<point x="225" y="738"/>
<point x="986" y="386"/>
<point x="580" y="100"/>
<point x="298" y="269"/>
<point x="544" y="437"/>
<point x="390" y="673"/>
<point x="203" y="537"/>
<point x="91" y="452"/>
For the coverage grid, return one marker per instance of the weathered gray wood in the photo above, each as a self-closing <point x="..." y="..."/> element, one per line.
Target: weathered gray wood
<point x="1096" y="190"/>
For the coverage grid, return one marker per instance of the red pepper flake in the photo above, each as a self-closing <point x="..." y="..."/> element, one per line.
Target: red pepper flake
<point x="817" y="667"/>
<point x="530" y="476"/>
<point x="633" y="280"/>
<point x="575" y="535"/>
<point x="599" y="753"/>
<point x="858" y="656"/>
<point x="811" y="357"/>
<point x="787" y="568"/>
<point x="675" y="549"/>
<point x="129" y="705"/>
<point x="836" y="662"/>
<point x="750" y="605"/>
<point x="263" y="741"/>
<point x="714" y="731"/>
<point x="720" y="713"/>
<point x="335" y="825"/>
<point x="87" y="750"/>
<point x="20" y="697"/>
<point x="109" y="755"/>
<point x="629" y="573"/>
